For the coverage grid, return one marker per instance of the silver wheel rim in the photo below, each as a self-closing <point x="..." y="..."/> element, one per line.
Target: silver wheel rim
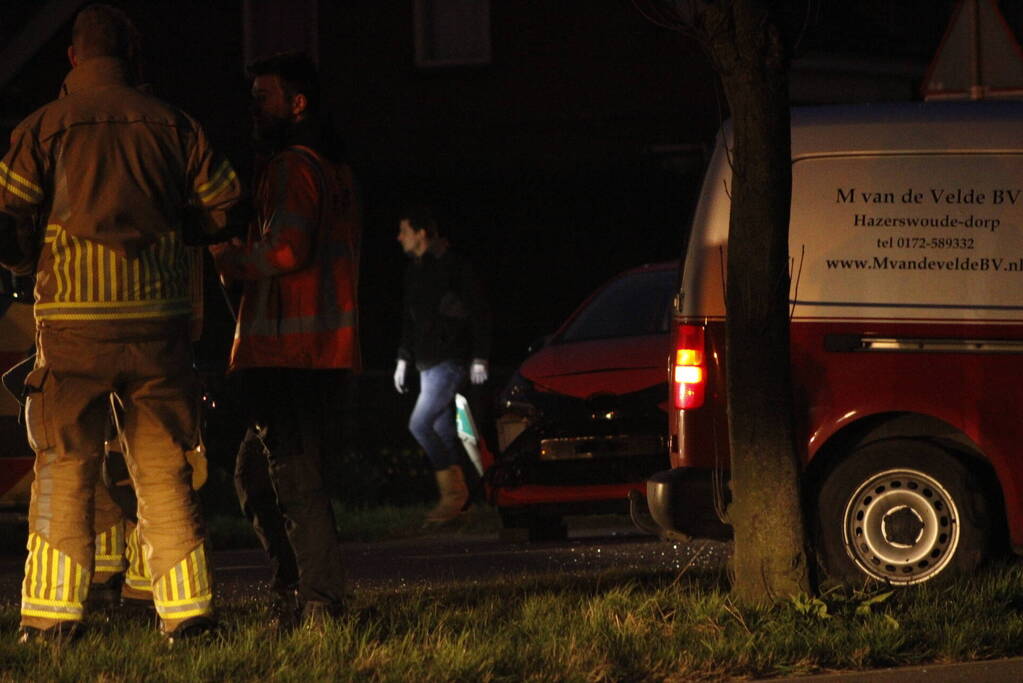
<point x="901" y="526"/>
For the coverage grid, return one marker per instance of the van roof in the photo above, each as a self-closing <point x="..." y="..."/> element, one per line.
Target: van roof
<point x="899" y="127"/>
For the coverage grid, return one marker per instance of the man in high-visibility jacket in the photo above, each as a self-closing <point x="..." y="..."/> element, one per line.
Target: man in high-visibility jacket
<point x="115" y="175"/>
<point x="295" y="346"/>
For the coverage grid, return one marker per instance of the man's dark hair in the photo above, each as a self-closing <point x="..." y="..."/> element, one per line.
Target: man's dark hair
<point x="420" y="218"/>
<point x="297" y="73"/>
<point x="105" y="31"/>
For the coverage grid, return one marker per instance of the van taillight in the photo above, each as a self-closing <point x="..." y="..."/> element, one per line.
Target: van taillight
<point x="688" y="373"/>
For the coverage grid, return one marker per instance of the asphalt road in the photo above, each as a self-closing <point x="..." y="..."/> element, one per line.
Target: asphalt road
<point x="446" y="558"/>
<point x="436" y="560"/>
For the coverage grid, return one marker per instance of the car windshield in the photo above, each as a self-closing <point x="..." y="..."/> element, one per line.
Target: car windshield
<point x="636" y="304"/>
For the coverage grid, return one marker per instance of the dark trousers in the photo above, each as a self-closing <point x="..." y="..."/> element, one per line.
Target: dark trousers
<point x="280" y="475"/>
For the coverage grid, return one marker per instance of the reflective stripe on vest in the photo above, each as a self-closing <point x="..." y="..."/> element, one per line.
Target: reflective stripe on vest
<point x="55" y="586"/>
<point x="327" y="321"/>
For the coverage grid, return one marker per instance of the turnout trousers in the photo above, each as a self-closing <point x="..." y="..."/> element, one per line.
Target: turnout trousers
<point x="280" y="476"/>
<point x="148" y="364"/>
<point x="119" y="547"/>
<point x="119" y="550"/>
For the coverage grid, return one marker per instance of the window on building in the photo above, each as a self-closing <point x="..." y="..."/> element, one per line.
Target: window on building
<point x="452" y="32"/>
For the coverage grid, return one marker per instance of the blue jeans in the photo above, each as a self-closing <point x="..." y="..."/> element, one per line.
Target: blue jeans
<point x="433" y="419"/>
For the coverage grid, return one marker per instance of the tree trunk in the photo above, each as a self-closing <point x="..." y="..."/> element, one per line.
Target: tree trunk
<point x="770" y="560"/>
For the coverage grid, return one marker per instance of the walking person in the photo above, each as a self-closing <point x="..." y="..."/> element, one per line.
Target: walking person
<point x="446" y="334"/>
<point x="296" y="344"/>
<point x="115" y="174"/>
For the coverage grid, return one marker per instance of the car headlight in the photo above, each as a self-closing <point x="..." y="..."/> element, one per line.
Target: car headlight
<point x="515" y="412"/>
<point x="516" y="397"/>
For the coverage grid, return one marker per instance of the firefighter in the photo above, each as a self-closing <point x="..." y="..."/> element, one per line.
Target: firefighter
<point x="120" y="572"/>
<point x="114" y="172"/>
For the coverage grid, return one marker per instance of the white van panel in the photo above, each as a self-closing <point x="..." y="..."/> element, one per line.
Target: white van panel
<point x="898" y="127"/>
<point x="703" y="277"/>
<point x="925" y="236"/>
<point x="962" y="167"/>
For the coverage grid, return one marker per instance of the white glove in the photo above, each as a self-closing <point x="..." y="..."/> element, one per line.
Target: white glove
<point x="478" y="371"/>
<point x="399" y="376"/>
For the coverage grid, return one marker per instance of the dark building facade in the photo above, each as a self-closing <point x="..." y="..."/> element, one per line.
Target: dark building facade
<point x="561" y="142"/>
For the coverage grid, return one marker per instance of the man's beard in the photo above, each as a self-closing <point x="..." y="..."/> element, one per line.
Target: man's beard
<point x="270" y="132"/>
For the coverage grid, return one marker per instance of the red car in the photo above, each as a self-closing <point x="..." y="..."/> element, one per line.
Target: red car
<point x="583" y="420"/>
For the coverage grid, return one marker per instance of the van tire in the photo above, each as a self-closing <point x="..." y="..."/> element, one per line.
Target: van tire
<point x="900" y="511"/>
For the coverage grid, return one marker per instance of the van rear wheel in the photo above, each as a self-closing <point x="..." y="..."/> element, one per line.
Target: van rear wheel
<point x="901" y="511"/>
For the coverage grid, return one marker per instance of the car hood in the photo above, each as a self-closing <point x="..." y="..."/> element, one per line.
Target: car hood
<point x="616" y="366"/>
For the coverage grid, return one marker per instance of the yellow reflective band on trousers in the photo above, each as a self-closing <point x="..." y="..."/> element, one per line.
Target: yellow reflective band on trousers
<point x="110" y="550"/>
<point x="55" y="586"/>
<point x="186" y="590"/>
<point x="137" y="576"/>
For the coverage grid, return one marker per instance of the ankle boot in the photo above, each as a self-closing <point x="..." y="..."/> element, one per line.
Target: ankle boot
<point x="453" y="495"/>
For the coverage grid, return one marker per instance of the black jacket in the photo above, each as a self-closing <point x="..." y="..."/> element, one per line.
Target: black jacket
<point x="445" y="315"/>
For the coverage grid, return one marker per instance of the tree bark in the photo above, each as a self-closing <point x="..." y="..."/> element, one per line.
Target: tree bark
<point x="770" y="558"/>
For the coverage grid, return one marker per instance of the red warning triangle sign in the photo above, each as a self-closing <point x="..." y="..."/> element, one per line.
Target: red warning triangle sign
<point x="978" y="57"/>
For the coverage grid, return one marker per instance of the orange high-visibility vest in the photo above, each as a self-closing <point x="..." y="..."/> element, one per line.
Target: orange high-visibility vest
<point x="299" y="266"/>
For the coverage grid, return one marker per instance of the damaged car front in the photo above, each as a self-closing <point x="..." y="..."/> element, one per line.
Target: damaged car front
<point x="583" y="420"/>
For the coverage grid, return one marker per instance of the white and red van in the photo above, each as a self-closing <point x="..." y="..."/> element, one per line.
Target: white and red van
<point x="906" y="253"/>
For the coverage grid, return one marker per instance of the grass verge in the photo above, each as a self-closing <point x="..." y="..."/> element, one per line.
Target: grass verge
<point x="583" y="627"/>
<point x="361" y="525"/>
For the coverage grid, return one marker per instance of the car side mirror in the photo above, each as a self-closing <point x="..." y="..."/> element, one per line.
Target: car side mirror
<point x="538" y="344"/>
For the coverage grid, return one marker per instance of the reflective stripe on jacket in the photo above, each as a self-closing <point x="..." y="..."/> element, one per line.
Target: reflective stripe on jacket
<point x="112" y="173"/>
<point x="300" y="267"/>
